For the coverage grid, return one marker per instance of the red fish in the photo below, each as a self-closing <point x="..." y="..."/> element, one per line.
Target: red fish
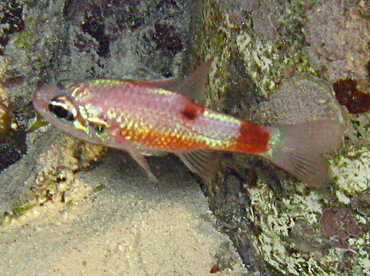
<point x="154" y="116"/>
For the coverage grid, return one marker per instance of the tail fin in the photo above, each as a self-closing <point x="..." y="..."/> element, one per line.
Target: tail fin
<point x="298" y="148"/>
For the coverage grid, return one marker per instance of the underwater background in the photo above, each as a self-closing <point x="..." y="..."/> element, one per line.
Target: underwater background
<point x="82" y="208"/>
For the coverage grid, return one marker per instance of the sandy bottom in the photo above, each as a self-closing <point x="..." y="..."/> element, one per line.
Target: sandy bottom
<point x="130" y="227"/>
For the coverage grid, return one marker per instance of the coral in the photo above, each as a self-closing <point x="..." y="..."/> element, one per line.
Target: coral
<point x="280" y="242"/>
<point x="337" y="34"/>
<point x="290" y="238"/>
<point x="352" y="170"/>
<point x="270" y="43"/>
<point x="338" y="39"/>
<point x="277" y="64"/>
<point x="44" y="173"/>
<point x="302" y="91"/>
<point x="266" y="37"/>
<point x="361" y="203"/>
<point x="166" y="38"/>
<point x="338" y="224"/>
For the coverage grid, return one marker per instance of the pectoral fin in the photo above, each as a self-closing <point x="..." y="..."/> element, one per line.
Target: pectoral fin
<point x="202" y="162"/>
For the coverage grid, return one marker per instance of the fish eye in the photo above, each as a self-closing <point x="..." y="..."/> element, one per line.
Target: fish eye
<point x="62" y="108"/>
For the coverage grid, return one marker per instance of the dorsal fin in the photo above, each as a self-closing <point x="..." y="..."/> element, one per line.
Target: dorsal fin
<point x="194" y="85"/>
<point x="168" y="84"/>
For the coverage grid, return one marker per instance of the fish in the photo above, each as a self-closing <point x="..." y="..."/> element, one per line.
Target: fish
<point x="160" y="116"/>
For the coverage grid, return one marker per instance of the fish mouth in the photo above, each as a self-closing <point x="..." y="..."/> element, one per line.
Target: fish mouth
<point x="42" y="97"/>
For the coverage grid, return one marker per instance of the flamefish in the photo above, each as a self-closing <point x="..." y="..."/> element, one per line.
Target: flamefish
<point x="155" y="116"/>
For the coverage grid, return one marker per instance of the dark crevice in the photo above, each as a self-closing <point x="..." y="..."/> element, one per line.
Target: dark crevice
<point x="11" y="21"/>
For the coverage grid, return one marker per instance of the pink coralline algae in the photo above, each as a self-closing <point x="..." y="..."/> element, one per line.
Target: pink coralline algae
<point x="337" y="34"/>
<point x="338" y="223"/>
<point x="362" y="203"/>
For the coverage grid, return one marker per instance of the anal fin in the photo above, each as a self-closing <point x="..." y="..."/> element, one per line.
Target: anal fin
<point x="201" y="162"/>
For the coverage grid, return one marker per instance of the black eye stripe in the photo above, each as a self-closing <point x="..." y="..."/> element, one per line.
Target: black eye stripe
<point x="62" y="108"/>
